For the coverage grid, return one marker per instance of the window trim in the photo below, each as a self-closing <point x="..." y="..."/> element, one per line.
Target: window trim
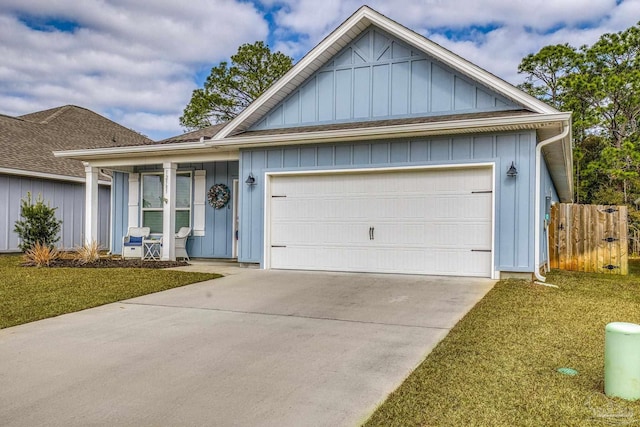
<point x="189" y="209"/>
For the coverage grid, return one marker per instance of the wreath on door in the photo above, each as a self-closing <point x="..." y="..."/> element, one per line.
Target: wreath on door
<point x="218" y="196"/>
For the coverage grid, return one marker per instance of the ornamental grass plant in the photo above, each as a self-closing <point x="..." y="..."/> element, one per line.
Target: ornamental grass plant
<point x="41" y="255"/>
<point x="87" y="254"/>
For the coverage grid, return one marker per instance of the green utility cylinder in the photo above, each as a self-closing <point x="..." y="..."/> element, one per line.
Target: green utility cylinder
<point x="622" y="360"/>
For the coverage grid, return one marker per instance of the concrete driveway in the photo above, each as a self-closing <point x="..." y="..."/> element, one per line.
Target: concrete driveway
<point x="258" y="348"/>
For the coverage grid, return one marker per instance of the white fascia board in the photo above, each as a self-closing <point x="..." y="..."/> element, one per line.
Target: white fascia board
<point x="532" y="121"/>
<point x="204" y="154"/>
<point x="44" y="175"/>
<point x="366" y="16"/>
<point x="306" y="61"/>
<point x="93" y="153"/>
<point x="568" y="148"/>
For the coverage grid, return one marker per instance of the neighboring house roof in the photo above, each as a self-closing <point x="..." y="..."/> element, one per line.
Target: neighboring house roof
<point x="28" y="141"/>
<point x="196" y="135"/>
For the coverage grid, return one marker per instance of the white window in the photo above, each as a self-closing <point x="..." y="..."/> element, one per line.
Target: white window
<point x="152" y="200"/>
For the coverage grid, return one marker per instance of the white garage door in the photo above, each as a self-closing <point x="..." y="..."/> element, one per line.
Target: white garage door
<point x="414" y="222"/>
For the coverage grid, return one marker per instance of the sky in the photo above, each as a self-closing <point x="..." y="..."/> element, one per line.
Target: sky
<point x="138" y="61"/>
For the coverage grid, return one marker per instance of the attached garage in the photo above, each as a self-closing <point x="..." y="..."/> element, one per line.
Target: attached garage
<point x="413" y="221"/>
<point x="379" y="151"/>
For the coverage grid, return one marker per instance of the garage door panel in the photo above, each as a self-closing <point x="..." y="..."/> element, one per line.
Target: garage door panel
<point x="330" y="233"/>
<point x="339" y="258"/>
<point x="424" y="222"/>
<point x="477" y="206"/>
<point x="400" y="234"/>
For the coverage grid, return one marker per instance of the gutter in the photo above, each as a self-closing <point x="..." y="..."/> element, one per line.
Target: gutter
<point x="536" y="228"/>
<point x="44" y="175"/>
<point x="232" y="143"/>
<point x="135" y="149"/>
<point x="487" y="124"/>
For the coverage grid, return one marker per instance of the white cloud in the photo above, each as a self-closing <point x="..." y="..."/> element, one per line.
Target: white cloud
<point x="515" y="28"/>
<point x="128" y="55"/>
<point x="305" y="16"/>
<point x="136" y="61"/>
<point x="158" y="122"/>
<point x="501" y="50"/>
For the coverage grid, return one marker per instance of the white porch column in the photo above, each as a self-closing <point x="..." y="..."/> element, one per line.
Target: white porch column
<point x="169" y="213"/>
<point x="134" y="200"/>
<point x="90" y="204"/>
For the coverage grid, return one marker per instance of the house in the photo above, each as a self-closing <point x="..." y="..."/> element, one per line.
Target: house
<point x="379" y="151"/>
<point x="27" y="164"/>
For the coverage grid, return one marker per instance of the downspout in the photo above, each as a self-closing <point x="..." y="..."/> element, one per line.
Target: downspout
<point x="536" y="267"/>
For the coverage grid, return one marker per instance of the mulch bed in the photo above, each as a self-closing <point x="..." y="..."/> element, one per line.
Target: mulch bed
<point x="116" y="263"/>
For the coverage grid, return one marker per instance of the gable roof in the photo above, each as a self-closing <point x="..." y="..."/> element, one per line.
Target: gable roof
<point x="345" y="34"/>
<point x="28" y="141"/>
<point x="222" y="141"/>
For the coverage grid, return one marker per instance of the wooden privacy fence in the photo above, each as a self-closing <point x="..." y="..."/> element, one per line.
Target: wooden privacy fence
<point x="591" y="238"/>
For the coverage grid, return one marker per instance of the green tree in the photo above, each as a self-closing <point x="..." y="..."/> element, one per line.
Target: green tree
<point x="547" y="71"/>
<point x="231" y="88"/>
<point x="601" y="85"/>
<point x="609" y="83"/>
<point x="38" y="224"/>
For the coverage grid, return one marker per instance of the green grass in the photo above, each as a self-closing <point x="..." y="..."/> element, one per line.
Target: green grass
<point x="498" y="366"/>
<point x="30" y="293"/>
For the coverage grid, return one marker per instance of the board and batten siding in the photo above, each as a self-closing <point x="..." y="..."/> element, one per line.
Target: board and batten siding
<point x="217" y="239"/>
<point x="514" y="196"/>
<point x="67" y="197"/>
<point x="378" y="77"/>
<point x="120" y="211"/>
<point x="547" y="189"/>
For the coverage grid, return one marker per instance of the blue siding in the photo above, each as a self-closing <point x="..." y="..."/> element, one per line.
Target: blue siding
<point x="547" y="189"/>
<point x="120" y="210"/>
<point x="378" y="77"/>
<point x="217" y="241"/>
<point x="104" y="215"/>
<point x="67" y="197"/>
<point x="514" y="196"/>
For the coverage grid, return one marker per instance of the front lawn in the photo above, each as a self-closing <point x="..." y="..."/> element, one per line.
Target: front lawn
<point x="498" y="366"/>
<point x="31" y="293"/>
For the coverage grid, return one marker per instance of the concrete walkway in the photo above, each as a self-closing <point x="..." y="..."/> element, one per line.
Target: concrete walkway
<point x="256" y="348"/>
<point x="224" y="267"/>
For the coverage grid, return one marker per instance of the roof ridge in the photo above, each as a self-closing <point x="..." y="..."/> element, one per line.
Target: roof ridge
<point x="347" y="32"/>
<point x="59" y="111"/>
<point x="12" y="117"/>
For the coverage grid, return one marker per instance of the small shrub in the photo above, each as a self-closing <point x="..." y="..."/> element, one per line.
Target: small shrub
<point x="38" y="224"/>
<point x="41" y="255"/>
<point x="87" y="254"/>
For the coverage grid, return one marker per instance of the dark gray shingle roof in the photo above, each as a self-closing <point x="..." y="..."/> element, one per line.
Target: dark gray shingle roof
<point x="28" y="141"/>
<point x="381" y="123"/>
<point x="206" y="133"/>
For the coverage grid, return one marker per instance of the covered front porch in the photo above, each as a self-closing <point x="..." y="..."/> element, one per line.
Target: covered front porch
<point x="166" y="195"/>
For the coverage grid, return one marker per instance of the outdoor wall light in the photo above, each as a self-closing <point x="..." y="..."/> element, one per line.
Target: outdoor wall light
<point x="251" y="180"/>
<point x="512" y="172"/>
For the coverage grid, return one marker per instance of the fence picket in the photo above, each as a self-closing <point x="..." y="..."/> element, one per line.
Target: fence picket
<point x="553" y="238"/>
<point x="624" y="240"/>
<point x="590" y="238"/>
<point x="562" y="238"/>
